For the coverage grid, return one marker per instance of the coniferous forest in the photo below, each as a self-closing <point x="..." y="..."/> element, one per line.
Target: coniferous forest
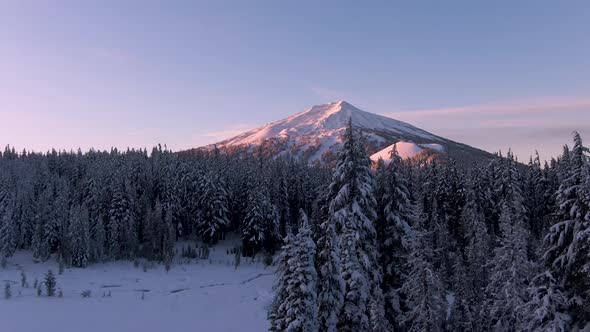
<point x="498" y="245"/>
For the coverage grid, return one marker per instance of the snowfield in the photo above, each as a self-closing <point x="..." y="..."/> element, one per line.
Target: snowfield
<point x="405" y="150"/>
<point x="203" y="295"/>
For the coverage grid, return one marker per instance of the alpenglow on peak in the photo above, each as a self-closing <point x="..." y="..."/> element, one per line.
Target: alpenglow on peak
<point x="316" y="135"/>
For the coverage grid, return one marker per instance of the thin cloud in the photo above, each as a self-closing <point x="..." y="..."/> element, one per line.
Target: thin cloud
<point x="228" y="132"/>
<point x="526" y="125"/>
<point x="531" y="105"/>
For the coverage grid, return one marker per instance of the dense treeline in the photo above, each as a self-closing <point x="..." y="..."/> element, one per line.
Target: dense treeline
<point x="500" y="246"/>
<point x="98" y="206"/>
<point x="438" y="246"/>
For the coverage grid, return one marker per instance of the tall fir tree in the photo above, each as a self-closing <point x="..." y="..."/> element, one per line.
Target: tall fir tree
<point x="331" y="285"/>
<point x="295" y="308"/>
<point x="423" y="288"/>
<point x="213" y="213"/>
<point x="397" y="216"/>
<point x="8" y="229"/>
<point x="352" y="207"/>
<point x="80" y="236"/>
<point x="568" y="240"/>
<point x="510" y="274"/>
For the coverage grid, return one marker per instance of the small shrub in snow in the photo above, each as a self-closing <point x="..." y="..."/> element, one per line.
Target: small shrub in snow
<point x="7" y="291"/>
<point x="237" y="258"/>
<point x="38" y="290"/>
<point x="86" y="293"/>
<point x="23" y="280"/>
<point x="268" y="259"/>
<point x="60" y="293"/>
<point x="50" y="283"/>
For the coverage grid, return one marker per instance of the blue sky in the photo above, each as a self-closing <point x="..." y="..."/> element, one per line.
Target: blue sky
<point x="187" y="73"/>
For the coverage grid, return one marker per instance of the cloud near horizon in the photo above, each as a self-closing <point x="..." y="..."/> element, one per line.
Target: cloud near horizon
<point x="524" y="125"/>
<point x="228" y="132"/>
<point x="538" y="104"/>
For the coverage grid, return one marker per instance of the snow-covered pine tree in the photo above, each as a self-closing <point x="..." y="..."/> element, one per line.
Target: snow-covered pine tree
<point x="296" y="310"/>
<point x="213" y="210"/>
<point x="121" y="235"/>
<point x="397" y="216"/>
<point x="423" y="288"/>
<point x="547" y="309"/>
<point x="510" y="274"/>
<point x="50" y="283"/>
<point x="168" y="240"/>
<point x="260" y="227"/>
<point x="8" y="229"/>
<point x="477" y="252"/>
<point x="331" y="286"/>
<point x="534" y="197"/>
<point x="352" y="208"/>
<point x="52" y="224"/>
<point x="24" y="212"/>
<point x="39" y="243"/>
<point x="283" y="206"/>
<point x="79" y="236"/>
<point x="152" y="233"/>
<point x="60" y="216"/>
<point x="98" y="240"/>
<point x="568" y="240"/>
<point x="277" y="312"/>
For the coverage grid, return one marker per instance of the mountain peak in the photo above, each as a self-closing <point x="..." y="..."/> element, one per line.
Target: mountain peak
<point x="316" y="133"/>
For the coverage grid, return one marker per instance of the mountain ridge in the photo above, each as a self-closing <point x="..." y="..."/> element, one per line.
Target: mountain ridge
<point x="315" y="135"/>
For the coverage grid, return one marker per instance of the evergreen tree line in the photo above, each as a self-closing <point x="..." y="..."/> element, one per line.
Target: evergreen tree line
<point x="497" y="246"/>
<point x="397" y="246"/>
<point x="92" y="207"/>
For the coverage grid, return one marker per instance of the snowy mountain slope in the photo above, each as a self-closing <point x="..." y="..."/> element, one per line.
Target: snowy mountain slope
<point x="406" y="150"/>
<point x="316" y="135"/>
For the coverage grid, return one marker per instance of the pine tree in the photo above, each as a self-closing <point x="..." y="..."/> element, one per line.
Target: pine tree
<point x="169" y="238"/>
<point x="122" y="235"/>
<point x="40" y="244"/>
<point x="423" y="288"/>
<point x="568" y="240"/>
<point x="213" y="213"/>
<point x="352" y="207"/>
<point x="260" y="228"/>
<point x="397" y="215"/>
<point x="23" y="280"/>
<point x="331" y="285"/>
<point x="8" y="230"/>
<point x="98" y="240"/>
<point x="506" y="291"/>
<point x="277" y="313"/>
<point x="547" y="308"/>
<point x="295" y="308"/>
<point x="477" y="252"/>
<point x="80" y="236"/>
<point x="7" y="291"/>
<point x="50" y="283"/>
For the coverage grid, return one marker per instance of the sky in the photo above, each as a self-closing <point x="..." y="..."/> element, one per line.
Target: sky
<point x="491" y="74"/>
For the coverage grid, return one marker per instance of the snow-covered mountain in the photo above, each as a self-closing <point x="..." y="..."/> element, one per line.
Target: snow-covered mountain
<point x="316" y="135"/>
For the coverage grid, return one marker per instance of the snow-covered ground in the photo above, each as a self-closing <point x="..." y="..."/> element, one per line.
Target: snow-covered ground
<point x="203" y="295"/>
